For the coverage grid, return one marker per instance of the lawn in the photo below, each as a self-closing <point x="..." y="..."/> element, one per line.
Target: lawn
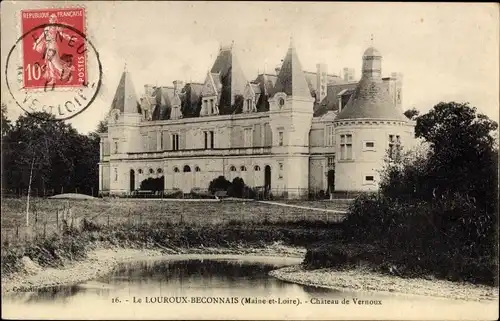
<point x="44" y="213"/>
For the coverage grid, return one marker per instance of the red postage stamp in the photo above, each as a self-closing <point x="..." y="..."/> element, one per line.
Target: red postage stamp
<point x="54" y="53"/>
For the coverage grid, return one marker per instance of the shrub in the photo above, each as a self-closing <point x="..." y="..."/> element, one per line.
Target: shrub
<point x="219" y="184"/>
<point x="237" y="187"/>
<point x="153" y="184"/>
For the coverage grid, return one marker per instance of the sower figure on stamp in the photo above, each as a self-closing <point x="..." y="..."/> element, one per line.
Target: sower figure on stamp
<point x="56" y="66"/>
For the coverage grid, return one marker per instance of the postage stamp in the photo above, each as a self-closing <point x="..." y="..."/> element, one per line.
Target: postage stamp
<point x="53" y="70"/>
<point x="52" y="55"/>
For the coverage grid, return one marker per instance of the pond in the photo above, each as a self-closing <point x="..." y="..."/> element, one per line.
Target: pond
<point x="222" y="287"/>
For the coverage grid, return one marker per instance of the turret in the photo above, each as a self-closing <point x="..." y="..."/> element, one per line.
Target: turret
<point x="291" y="112"/>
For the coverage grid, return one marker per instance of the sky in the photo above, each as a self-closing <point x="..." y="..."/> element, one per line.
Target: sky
<point x="446" y="51"/>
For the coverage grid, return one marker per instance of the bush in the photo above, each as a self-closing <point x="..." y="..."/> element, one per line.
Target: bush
<point x="153" y="184"/>
<point x="236" y="188"/>
<point x="219" y="184"/>
<point x="450" y="237"/>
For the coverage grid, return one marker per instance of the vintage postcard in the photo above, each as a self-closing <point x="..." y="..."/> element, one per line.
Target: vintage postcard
<point x="249" y="160"/>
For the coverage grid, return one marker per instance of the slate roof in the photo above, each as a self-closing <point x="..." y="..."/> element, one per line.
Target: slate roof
<point x="190" y="99"/>
<point x="372" y="52"/>
<point x="331" y="101"/>
<point x="370" y="100"/>
<point x="291" y="79"/>
<point x="266" y="83"/>
<point x="163" y="99"/>
<point x="125" y="99"/>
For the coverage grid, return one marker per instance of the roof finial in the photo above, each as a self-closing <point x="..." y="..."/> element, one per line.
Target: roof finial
<point x="371" y="39"/>
<point x="125" y="67"/>
<point x="232" y="43"/>
<point x="291" y="41"/>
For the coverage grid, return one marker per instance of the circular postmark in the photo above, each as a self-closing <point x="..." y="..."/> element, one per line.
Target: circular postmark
<point x="53" y="69"/>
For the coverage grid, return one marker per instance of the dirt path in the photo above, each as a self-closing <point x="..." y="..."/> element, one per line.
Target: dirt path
<point x="304" y="207"/>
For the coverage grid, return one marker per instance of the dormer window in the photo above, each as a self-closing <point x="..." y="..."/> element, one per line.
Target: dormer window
<point x="281" y="102"/>
<point x="249" y="105"/>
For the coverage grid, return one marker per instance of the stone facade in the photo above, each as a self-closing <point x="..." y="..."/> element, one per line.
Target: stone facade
<point x="292" y="131"/>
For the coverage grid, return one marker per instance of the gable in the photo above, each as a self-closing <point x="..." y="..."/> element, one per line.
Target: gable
<point x="209" y="88"/>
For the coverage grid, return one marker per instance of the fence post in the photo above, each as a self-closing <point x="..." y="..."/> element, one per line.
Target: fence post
<point x="108" y="220"/>
<point x="57" y="218"/>
<point x="17" y="230"/>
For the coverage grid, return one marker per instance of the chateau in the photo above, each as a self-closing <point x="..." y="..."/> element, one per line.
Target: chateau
<point x="292" y="130"/>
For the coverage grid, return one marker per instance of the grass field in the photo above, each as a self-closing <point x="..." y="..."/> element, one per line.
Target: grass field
<point x="44" y="213"/>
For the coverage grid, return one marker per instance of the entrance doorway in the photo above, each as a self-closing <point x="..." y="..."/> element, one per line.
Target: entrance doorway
<point x="132" y="180"/>
<point x="331" y="181"/>
<point x="267" y="178"/>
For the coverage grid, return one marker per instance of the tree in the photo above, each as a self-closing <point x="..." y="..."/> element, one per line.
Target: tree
<point x="102" y="126"/>
<point x="61" y="159"/>
<point x="412" y="113"/>
<point x="6" y="125"/>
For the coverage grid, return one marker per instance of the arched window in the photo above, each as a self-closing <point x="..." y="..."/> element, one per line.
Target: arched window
<point x="176" y="170"/>
<point x="243" y="168"/>
<point x="256" y="168"/>
<point x="197" y="169"/>
<point x="159" y="170"/>
<point x="151" y="171"/>
<point x="232" y="168"/>
<point x="187" y="169"/>
<point x="139" y="171"/>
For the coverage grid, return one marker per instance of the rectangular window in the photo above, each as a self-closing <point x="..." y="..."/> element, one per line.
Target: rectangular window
<point x="368" y="179"/>
<point x="394" y="146"/>
<point x="116" y="147"/>
<point x="212" y="139"/>
<point x="369" y="146"/>
<point x="211" y="106"/>
<point x="330" y="136"/>
<point x="248" y="135"/>
<point x="161" y="140"/>
<point x="116" y="174"/>
<point x="346" y="147"/>
<point x="331" y="162"/>
<point x="280" y="138"/>
<point x="175" y="141"/>
<point x="280" y="173"/>
<point x="206" y="139"/>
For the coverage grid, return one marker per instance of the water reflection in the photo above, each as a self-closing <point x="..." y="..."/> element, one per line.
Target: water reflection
<point x="239" y="277"/>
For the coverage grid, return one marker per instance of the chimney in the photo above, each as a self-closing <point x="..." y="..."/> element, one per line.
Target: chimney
<point x="321" y="82"/>
<point x="397" y="79"/>
<point x="348" y="74"/>
<point x="178" y="86"/>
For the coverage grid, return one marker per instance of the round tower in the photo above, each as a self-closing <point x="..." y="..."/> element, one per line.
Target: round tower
<point x="367" y="129"/>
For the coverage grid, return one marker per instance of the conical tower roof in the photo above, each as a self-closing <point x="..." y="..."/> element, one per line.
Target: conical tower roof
<point x="371" y="99"/>
<point x="125" y="99"/>
<point x="291" y="79"/>
<point x="227" y="70"/>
